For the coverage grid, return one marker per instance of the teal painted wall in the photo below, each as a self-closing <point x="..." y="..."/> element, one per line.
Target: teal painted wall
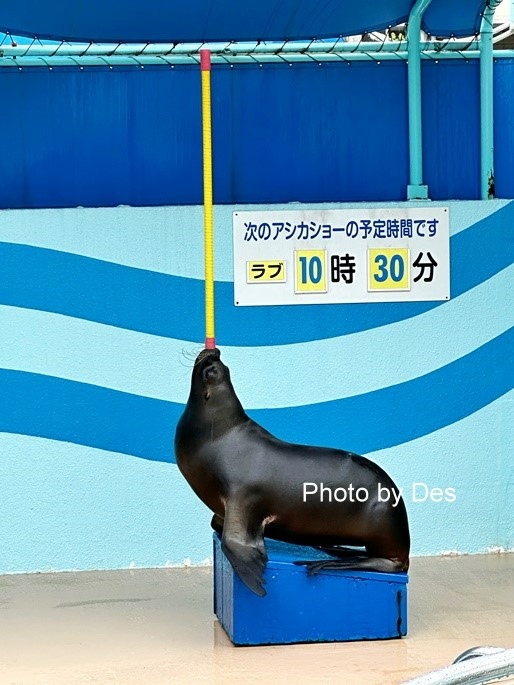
<point x="101" y="316"/>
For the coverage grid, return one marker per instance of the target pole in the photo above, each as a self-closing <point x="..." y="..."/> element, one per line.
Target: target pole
<point x="205" y="65"/>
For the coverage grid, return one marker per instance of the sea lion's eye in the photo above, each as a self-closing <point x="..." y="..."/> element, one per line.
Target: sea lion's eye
<point x="210" y="373"/>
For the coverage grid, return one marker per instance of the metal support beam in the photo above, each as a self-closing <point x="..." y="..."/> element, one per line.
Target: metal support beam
<point x="416" y="189"/>
<point x="486" y="102"/>
<point x="223" y="49"/>
<point x="176" y="59"/>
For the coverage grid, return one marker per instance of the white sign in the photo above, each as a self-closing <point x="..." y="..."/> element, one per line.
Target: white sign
<point x="341" y="255"/>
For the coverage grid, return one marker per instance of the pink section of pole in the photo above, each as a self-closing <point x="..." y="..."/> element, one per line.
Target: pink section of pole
<point x="205" y="60"/>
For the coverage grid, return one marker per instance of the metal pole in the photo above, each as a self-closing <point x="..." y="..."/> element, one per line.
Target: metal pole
<point x="225" y="49"/>
<point x="486" y="102"/>
<point x="477" y="671"/>
<point x="172" y="59"/>
<point x="416" y="190"/>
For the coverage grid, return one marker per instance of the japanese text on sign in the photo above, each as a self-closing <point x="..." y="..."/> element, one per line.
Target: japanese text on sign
<point x="266" y="272"/>
<point x="388" y="254"/>
<point x="378" y="229"/>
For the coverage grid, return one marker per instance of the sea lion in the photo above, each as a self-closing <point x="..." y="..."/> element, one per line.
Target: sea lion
<point x="255" y="485"/>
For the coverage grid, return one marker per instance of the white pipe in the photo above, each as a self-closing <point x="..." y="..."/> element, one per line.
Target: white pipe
<point x="477" y="671"/>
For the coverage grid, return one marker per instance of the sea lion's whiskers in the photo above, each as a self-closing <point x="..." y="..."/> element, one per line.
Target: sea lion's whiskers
<point x="190" y="355"/>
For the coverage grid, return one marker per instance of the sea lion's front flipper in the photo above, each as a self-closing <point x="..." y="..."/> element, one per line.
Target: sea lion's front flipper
<point x="217" y="524"/>
<point x="243" y="545"/>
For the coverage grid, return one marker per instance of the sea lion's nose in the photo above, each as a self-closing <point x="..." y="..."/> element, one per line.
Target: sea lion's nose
<point x="211" y="355"/>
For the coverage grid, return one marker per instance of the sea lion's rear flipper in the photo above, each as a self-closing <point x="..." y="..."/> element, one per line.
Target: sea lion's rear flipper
<point x="353" y="564"/>
<point x="243" y="545"/>
<point x="343" y="552"/>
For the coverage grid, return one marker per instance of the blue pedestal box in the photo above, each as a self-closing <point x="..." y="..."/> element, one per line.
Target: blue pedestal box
<point x="332" y="606"/>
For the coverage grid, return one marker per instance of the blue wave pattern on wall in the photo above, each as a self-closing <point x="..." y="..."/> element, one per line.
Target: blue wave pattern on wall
<point x="172" y="306"/>
<point x="149" y="302"/>
<point x="44" y="406"/>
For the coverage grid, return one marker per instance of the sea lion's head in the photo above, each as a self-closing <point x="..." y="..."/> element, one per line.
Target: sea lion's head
<point x="211" y="378"/>
<point x="212" y="408"/>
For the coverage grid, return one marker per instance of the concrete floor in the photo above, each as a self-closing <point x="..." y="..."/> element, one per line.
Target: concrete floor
<point x="152" y="627"/>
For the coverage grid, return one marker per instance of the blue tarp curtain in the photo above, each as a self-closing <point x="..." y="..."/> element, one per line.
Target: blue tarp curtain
<point x="135" y="21"/>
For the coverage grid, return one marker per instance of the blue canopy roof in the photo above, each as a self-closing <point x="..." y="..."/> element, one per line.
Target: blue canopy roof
<point x="170" y="21"/>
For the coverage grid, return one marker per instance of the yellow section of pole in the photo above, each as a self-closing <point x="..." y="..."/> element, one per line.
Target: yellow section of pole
<point x="205" y="65"/>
